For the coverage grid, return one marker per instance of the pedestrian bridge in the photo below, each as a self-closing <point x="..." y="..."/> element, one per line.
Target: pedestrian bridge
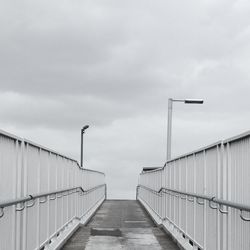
<point x="200" y="200"/>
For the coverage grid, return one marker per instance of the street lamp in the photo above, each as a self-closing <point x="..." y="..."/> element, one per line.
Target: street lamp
<point x="170" y="108"/>
<point x="82" y="132"/>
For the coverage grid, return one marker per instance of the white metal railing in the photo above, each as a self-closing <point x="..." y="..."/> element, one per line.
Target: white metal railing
<point x="203" y="198"/>
<point x="44" y="196"/>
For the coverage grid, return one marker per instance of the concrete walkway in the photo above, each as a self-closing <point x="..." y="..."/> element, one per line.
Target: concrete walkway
<point x="120" y="224"/>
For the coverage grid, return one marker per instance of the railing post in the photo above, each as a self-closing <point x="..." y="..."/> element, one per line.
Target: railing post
<point x="105" y="191"/>
<point x="19" y="148"/>
<point x="224" y="195"/>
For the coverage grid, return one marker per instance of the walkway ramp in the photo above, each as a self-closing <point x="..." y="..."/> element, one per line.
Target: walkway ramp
<point x="120" y="224"/>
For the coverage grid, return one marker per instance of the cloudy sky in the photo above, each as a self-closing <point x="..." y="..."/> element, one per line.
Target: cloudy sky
<point x="113" y="65"/>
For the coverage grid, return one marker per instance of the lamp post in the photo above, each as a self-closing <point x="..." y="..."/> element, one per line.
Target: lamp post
<point x="82" y="132"/>
<point x="170" y="109"/>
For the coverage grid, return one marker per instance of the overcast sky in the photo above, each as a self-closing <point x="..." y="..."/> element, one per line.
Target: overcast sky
<point x="113" y="65"/>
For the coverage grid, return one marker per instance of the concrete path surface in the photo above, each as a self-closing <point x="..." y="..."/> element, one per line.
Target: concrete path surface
<point x="120" y="224"/>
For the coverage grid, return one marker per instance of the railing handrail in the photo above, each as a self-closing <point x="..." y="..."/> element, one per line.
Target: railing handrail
<point x="221" y="202"/>
<point x="218" y="143"/>
<point x="89" y="170"/>
<point x="20" y="139"/>
<point x="201" y="149"/>
<point x="237" y="137"/>
<point x="64" y="156"/>
<point x="11" y="202"/>
<point x="11" y="136"/>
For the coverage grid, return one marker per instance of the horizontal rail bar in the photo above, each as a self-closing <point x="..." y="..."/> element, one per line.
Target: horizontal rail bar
<point x="36" y="196"/>
<point x="202" y="196"/>
<point x="150" y="189"/>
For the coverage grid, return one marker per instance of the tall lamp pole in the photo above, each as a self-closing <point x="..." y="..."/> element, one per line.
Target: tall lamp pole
<point x="170" y="109"/>
<point x="82" y="132"/>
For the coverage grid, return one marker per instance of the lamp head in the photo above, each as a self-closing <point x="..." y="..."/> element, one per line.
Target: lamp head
<point x="85" y="127"/>
<point x="193" y="101"/>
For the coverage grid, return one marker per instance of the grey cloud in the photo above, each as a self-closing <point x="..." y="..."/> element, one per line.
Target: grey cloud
<point x="72" y="49"/>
